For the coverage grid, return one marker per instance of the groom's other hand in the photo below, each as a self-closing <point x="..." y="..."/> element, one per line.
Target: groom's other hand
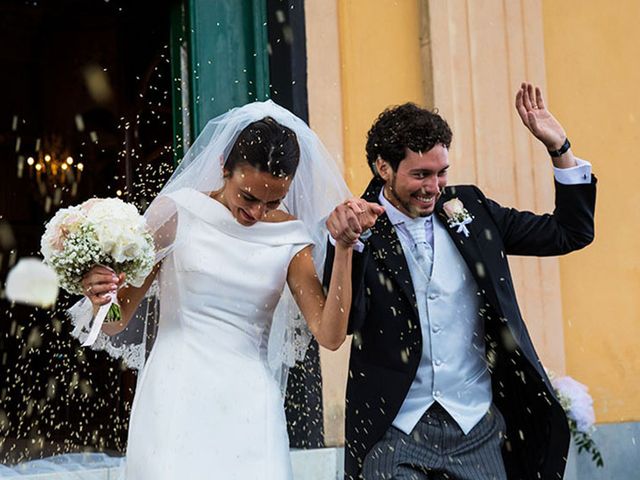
<point x="349" y="219"/>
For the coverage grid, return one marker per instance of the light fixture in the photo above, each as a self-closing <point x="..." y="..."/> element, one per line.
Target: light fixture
<point x="54" y="171"/>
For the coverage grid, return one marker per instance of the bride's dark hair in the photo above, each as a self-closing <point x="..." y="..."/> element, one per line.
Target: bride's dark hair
<point x="268" y="146"/>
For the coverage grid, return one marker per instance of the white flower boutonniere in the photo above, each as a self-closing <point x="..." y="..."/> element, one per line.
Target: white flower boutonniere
<point x="458" y="216"/>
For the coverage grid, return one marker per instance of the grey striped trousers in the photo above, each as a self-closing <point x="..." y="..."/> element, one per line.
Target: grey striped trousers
<point x="438" y="449"/>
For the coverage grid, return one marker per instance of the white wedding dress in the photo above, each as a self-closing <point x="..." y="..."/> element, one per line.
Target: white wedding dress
<point x="207" y="406"/>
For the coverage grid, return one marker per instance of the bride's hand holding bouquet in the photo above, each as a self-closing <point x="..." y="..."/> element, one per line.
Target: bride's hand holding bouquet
<point x="93" y="247"/>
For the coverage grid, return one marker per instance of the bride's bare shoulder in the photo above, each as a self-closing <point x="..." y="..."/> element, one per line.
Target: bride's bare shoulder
<point x="278" y="216"/>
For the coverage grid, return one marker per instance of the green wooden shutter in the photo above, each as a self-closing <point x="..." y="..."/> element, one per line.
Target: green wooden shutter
<point x="228" y="58"/>
<point x="219" y="59"/>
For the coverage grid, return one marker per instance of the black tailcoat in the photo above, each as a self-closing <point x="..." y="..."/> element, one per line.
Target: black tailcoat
<point x="387" y="337"/>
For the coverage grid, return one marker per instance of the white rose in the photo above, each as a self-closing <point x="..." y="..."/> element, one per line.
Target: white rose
<point x="57" y="229"/>
<point x="134" y="249"/>
<point x="125" y="251"/>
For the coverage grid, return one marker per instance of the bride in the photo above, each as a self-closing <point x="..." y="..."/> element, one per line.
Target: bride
<point x="235" y="224"/>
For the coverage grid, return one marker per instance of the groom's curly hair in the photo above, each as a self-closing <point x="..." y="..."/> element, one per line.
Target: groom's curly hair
<point x="405" y="126"/>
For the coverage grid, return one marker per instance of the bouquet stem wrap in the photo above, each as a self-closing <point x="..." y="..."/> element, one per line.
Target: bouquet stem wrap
<point x="111" y="311"/>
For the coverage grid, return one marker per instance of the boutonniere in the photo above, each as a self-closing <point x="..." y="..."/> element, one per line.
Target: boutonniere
<point x="457" y="216"/>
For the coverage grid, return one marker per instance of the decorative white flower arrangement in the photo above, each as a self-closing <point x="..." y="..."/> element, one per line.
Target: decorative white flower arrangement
<point x="100" y="231"/>
<point x="458" y="216"/>
<point x="578" y="405"/>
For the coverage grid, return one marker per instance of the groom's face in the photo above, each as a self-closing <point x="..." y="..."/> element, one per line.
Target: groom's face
<point x="415" y="187"/>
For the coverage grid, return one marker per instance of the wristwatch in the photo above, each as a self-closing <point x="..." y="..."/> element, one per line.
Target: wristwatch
<point x="563" y="149"/>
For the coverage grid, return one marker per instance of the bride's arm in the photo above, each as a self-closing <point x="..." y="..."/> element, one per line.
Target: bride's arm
<point x="327" y="316"/>
<point x="100" y="281"/>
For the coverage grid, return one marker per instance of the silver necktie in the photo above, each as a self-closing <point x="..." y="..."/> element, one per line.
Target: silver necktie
<point x="421" y="248"/>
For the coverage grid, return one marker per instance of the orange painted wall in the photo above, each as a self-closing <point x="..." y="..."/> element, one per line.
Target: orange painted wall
<point x="592" y="52"/>
<point x="592" y="60"/>
<point x="381" y="66"/>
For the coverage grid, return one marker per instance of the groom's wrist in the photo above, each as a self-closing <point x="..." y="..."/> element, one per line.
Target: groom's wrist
<point x="557" y="151"/>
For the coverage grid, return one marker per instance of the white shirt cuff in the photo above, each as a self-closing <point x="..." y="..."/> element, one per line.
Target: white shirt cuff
<point x="580" y="174"/>
<point x="358" y="246"/>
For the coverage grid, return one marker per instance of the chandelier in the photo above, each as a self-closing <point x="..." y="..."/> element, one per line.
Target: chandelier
<point x="55" y="171"/>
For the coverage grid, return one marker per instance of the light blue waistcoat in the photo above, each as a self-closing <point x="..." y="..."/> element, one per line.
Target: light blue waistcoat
<point x="453" y="368"/>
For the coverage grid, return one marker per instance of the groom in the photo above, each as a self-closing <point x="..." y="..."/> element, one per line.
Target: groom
<point x="444" y="381"/>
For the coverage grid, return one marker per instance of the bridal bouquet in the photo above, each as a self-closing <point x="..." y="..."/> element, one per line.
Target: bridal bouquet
<point x="578" y="405"/>
<point x="100" y="231"/>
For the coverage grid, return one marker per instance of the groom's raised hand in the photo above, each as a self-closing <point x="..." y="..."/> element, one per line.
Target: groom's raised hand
<point x="350" y="219"/>
<point x="534" y="115"/>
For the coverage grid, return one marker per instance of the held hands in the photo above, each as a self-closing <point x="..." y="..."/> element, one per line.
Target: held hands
<point x="349" y="219"/>
<point x="98" y="282"/>
<point x="537" y="118"/>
